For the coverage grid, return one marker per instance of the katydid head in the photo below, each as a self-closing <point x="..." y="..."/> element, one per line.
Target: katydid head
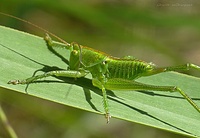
<point x="75" y="55"/>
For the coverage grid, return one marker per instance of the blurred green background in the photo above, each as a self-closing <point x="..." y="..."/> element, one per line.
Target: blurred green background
<point x="165" y="32"/>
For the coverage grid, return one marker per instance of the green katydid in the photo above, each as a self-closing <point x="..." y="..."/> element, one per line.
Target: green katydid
<point x="108" y="73"/>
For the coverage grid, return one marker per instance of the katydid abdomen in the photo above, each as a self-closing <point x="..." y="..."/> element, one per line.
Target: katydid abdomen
<point x="128" y="68"/>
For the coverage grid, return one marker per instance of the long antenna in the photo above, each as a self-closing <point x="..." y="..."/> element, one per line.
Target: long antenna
<point x="36" y="26"/>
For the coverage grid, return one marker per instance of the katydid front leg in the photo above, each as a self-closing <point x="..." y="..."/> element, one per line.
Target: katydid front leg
<point x="49" y="42"/>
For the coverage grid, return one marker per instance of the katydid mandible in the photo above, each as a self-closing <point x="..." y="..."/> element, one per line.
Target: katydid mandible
<point x="108" y="72"/>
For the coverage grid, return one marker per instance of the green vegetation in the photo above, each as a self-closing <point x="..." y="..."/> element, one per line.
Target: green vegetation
<point x="120" y="28"/>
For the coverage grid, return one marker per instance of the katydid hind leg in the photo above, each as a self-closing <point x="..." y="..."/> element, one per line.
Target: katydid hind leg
<point x="183" y="67"/>
<point x="121" y="84"/>
<point x="63" y="73"/>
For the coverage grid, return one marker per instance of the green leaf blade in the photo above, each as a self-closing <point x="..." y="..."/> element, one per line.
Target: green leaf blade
<point x="22" y="55"/>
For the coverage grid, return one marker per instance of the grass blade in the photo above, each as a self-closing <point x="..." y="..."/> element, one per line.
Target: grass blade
<point x="23" y="55"/>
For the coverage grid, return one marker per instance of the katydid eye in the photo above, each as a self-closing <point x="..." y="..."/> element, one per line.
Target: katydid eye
<point x="105" y="62"/>
<point x="74" y="52"/>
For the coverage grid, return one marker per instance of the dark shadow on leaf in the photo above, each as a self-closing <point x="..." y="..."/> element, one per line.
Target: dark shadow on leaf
<point x="50" y="48"/>
<point x="22" y="55"/>
<point x="163" y="95"/>
<point x="88" y="98"/>
<point x="149" y="115"/>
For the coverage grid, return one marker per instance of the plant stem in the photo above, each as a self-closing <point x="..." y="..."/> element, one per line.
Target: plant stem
<point x="7" y="125"/>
